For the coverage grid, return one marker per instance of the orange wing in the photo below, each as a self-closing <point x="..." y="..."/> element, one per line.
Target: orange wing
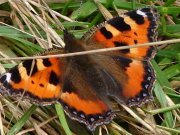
<point x="38" y="80"/>
<point x="132" y="79"/>
<point x="90" y="111"/>
<point x="136" y="75"/>
<point x="134" y="27"/>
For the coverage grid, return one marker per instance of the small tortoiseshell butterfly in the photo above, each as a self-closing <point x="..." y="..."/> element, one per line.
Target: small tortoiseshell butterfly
<point x="82" y="84"/>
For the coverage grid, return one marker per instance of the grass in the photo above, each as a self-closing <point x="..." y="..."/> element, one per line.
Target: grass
<point x="18" y="19"/>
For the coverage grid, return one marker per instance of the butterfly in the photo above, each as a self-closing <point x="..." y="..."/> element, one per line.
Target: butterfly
<point x="84" y="83"/>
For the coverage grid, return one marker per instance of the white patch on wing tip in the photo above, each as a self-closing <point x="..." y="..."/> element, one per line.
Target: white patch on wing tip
<point x="140" y="13"/>
<point x="8" y="77"/>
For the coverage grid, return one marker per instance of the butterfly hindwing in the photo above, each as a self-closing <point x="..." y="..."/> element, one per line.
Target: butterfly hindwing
<point x="137" y="82"/>
<point x="82" y="103"/>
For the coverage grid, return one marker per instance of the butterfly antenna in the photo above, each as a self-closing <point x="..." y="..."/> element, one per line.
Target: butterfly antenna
<point x="65" y="31"/>
<point x="78" y="11"/>
<point x="68" y="39"/>
<point x="67" y="34"/>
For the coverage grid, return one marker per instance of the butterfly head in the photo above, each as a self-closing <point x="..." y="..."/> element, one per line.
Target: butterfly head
<point x="72" y="44"/>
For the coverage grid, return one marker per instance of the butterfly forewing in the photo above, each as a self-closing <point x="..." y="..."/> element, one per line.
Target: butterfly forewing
<point x="39" y="80"/>
<point x="134" y="27"/>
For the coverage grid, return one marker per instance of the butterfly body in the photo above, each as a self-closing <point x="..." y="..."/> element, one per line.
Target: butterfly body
<point x="84" y="83"/>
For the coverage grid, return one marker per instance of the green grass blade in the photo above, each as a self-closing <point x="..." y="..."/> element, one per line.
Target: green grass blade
<point x="62" y="119"/>
<point x="17" y="126"/>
